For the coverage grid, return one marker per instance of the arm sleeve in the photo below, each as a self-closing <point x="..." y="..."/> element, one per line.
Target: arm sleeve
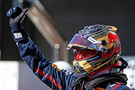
<point x="46" y="71"/>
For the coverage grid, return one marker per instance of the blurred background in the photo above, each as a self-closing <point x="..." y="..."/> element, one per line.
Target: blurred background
<point x="51" y="24"/>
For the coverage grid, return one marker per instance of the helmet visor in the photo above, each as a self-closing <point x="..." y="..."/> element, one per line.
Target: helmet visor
<point x="80" y="41"/>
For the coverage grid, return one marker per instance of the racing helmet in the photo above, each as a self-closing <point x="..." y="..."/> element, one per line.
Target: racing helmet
<point x="97" y="48"/>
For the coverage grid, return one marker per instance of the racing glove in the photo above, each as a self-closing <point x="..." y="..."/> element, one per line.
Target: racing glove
<point x="17" y="15"/>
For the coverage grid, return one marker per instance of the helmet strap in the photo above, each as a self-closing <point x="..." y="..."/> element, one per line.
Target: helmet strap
<point x="123" y="65"/>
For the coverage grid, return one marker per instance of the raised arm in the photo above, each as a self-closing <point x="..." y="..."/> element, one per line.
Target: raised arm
<point x="46" y="71"/>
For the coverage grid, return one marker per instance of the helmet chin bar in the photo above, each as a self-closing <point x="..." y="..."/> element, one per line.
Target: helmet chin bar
<point x="91" y="65"/>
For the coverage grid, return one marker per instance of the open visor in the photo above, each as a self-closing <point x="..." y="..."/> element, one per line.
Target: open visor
<point x="82" y="42"/>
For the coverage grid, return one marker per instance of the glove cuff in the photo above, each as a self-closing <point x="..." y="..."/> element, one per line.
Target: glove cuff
<point x="19" y="34"/>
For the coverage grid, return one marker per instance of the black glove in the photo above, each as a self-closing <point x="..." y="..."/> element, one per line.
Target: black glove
<point x="17" y="15"/>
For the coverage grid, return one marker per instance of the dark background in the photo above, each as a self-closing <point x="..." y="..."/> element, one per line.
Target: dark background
<point x="70" y="16"/>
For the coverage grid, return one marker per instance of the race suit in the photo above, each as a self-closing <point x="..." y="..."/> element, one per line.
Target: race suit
<point x="54" y="77"/>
